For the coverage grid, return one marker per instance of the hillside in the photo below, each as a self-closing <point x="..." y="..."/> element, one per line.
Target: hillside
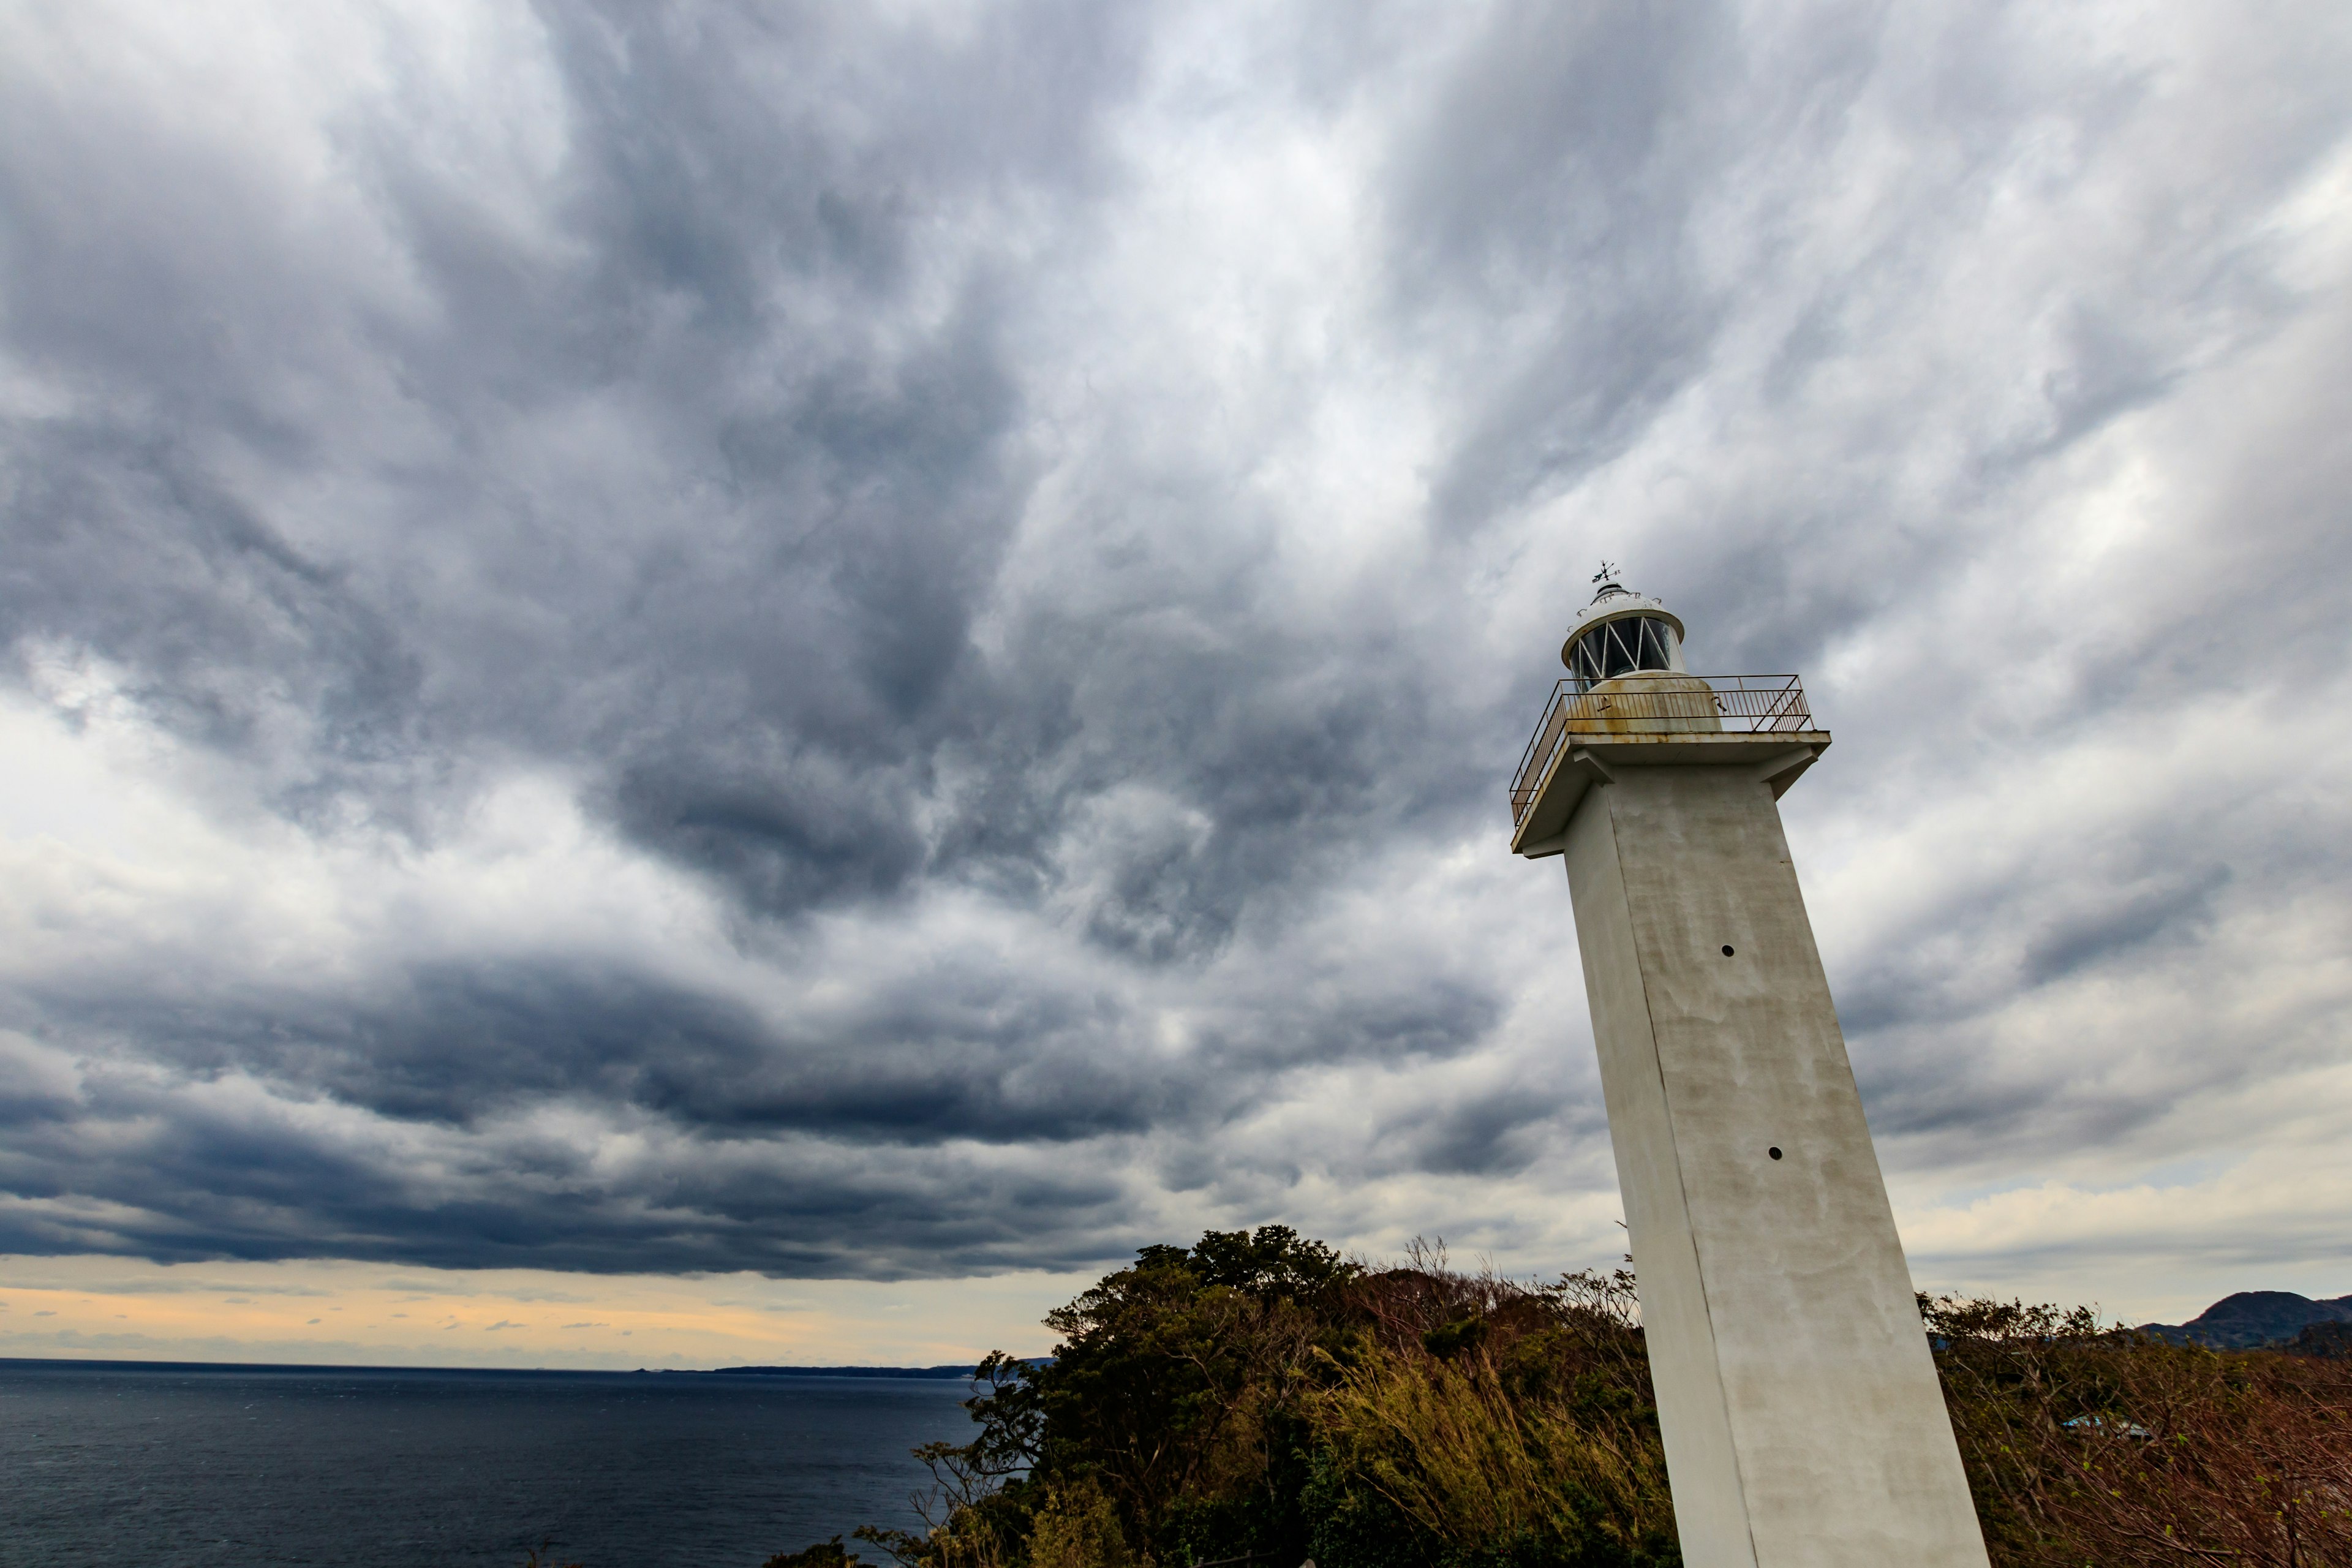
<point x="1257" y="1399"/>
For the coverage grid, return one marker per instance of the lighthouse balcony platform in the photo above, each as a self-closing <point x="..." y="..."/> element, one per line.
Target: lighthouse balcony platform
<point x="1759" y="722"/>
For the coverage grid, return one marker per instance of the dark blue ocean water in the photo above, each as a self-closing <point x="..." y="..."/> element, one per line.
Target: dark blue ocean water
<point x="175" y="1466"/>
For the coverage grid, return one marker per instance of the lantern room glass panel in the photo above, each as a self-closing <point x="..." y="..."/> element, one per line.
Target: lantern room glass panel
<point x="1619" y="647"/>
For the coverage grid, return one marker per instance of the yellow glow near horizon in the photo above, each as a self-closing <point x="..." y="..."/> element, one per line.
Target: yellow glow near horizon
<point x="323" y="1313"/>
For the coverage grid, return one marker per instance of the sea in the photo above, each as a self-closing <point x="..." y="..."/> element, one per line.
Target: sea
<point x="142" y="1465"/>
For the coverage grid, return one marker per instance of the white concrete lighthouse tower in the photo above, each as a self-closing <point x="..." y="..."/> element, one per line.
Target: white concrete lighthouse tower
<point x="1803" y="1424"/>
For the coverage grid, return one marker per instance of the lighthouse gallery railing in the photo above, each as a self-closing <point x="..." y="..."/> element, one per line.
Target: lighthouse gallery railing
<point x="1741" y="704"/>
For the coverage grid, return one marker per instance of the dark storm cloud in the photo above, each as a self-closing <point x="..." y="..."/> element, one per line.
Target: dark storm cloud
<point x="251" y="1186"/>
<point x="1485" y="1136"/>
<point x="2126" y="920"/>
<point x="757" y="678"/>
<point x="853" y="464"/>
<point x="118" y="537"/>
<point x="464" y="1045"/>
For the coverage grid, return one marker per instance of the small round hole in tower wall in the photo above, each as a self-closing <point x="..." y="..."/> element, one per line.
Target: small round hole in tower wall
<point x="1726" y="949"/>
<point x="1774" y="1152"/>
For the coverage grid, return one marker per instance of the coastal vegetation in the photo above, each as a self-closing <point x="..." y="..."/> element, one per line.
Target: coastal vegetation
<point x="1256" y="1398"/>
<point x="2112" y="1447"/>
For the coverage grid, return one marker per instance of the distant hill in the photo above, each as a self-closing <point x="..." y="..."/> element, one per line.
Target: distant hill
<point x="2253" y="1318"/>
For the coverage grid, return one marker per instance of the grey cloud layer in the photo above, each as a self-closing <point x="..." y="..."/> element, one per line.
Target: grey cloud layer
<point x="810" y="439"/>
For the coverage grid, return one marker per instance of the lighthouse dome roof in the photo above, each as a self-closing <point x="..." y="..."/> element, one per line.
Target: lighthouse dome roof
<point x="1615" y="602"/>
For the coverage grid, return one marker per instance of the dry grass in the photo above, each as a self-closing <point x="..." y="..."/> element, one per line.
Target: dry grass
<point x="1449" y="1444"/>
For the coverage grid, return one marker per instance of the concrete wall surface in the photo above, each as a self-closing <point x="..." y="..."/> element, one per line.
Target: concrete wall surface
<point x="1802" y="1418"/>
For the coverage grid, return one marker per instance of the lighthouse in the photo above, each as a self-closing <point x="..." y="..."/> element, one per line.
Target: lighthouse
<point x="1803" y="1424"/>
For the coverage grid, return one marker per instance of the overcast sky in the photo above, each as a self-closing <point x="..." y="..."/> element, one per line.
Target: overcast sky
<point x="883" y="643"/>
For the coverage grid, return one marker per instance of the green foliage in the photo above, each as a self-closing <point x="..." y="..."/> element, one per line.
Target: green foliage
<point x="1168" y="1374"/>
<point x="1452" y="1339"/>
<point x="1078" y="1528"/>
<point x="823" y="1554"/>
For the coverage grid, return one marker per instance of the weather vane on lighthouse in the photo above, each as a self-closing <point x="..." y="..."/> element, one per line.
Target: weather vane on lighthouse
<point x="1803" y="1424"/>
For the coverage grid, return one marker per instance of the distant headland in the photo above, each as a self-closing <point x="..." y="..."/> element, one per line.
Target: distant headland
<point x="965" y="1370"/>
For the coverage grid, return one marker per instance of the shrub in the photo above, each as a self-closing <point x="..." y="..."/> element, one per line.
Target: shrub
<point x="823" y="1554"/>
